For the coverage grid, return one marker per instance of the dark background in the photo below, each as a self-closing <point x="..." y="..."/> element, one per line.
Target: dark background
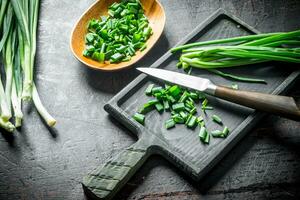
<point x="38" y="163"/>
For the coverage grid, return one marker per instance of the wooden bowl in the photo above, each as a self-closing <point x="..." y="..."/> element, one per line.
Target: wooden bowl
<point x="153" y="10"/>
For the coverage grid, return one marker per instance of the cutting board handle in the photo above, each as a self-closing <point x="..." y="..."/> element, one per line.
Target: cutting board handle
<point x="105" y="181"/>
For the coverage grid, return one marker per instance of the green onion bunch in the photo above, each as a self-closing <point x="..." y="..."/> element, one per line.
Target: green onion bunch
<point x="242" y="50"/>
<point x="182" y="105"/>
<point x="18" y="29"/>
<point x="117" y="37"/>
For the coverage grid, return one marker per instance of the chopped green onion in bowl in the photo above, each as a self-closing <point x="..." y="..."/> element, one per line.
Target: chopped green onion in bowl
<point x="117" y="37"/>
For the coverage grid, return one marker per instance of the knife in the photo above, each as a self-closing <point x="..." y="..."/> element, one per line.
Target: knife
<point x="279" y="105"/>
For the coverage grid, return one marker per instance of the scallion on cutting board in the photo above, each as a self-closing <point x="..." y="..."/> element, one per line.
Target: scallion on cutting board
<point x="182" y="105"/>
<point x="243" y="50"/>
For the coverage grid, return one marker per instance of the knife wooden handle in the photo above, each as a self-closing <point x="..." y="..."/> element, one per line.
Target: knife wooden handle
<point x="279" y="105"/>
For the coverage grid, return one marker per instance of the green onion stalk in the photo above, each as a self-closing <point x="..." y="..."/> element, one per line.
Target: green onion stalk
<point x="22" y="9"/>
<point x="36" y="99"/>
<point x="9" y="62"/>
<point x="8" y="56"/>
<point x="18" y="31"/>
<point x="27" y="14"/>
<point x="283" y="47"/>
<point x="5" y="113"/>
<point x="17" y="83"/>
<point x="3" y="7"/>
<point x="5" y="22"/>
<point x="16" y="92"/>
<point x="41" y="109"/>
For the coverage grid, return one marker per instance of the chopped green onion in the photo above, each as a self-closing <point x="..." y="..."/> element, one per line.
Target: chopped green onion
<point x="187" y="109"/>
<point x="182" y="106"/>
<point x="178" y="107"/>
<point x="149" y="89"/>
<point x="192" y="122"/>
<point x="143" y="47"/>
<point x="217" y="133"/>
<point x="157" y="90"/>
<point x="200" y="119"/>
<point x="188" y="119"/>
<point x="166" y="105"/>
<point x="193" y="111"/>
<point x="202" y="133"/>
<point x="125" y="30"/>
<point x="170" y="124"/>
<point x="183" y="114"/>
<point x="171" y="99"/>
<point x="174" y="91"/>
<point x="204" y="108"/>
<point x="207" y="138"/>
<point x="194" y="95"/>
<point x="178" y="119"/>
<point x="159" y="107"/>
<point x="140" y="118"/>
<point x="205" y="102"/>
<point x="225" y="131"/>
<point x="184" y="96"/>
<point x="148" y="106"/>
<point x="167" y="86"/>
<point x="117" y="57"/>
<point x="217" y="119"/>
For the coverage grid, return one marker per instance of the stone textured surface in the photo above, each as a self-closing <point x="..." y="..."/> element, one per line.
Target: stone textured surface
<point x="38" y="163"/>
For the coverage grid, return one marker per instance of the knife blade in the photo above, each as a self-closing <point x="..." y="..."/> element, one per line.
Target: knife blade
<point x="279" y="105"/>
<point x="193" y="82"/>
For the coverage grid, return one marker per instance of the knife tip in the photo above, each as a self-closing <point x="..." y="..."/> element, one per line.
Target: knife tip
<point x="142" y="69"/>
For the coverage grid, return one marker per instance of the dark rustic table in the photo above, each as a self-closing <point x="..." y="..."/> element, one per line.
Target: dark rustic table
<point x="38" y="163"/>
